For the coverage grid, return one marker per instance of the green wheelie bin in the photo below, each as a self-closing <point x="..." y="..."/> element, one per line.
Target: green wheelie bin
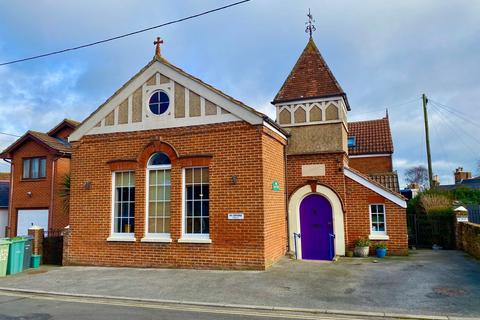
<point x="15" y="256"/>
<point x="4" y="248"/>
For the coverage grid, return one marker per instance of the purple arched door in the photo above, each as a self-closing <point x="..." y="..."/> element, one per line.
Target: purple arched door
<point x="316" y="228"/>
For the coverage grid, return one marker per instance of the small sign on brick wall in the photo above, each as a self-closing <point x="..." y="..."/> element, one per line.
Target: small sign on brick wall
<point x="313" y="170"/>
<point x="275" y="186"/>
<point x="235" y="216"/>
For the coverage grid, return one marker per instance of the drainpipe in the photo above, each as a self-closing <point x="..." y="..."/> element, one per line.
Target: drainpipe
<point x="286" y="195"/>
<point x="10" y="197"/>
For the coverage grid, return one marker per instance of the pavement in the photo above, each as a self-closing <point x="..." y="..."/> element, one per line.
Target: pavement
<point x="428" y="283"/>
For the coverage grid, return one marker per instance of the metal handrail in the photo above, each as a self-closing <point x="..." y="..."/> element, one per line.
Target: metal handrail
<point x="295" y="236"/>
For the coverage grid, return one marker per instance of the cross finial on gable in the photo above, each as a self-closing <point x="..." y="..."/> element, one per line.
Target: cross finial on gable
<point x="310" y="26"/>
<point x="157" y="44"/>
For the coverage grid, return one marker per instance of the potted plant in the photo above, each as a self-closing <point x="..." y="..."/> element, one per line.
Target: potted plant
<point x="381" y="250"/>
<point x="362" y="247"/>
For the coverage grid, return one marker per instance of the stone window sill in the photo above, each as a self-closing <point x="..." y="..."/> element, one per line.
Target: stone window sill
<point x="378" y="237"/>
<point x="156" y="239"/>
<point x="114" y="238"/>
<point x="194" y="240"/>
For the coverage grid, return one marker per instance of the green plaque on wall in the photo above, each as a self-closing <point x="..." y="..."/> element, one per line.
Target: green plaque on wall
<point x="275" y="186"/>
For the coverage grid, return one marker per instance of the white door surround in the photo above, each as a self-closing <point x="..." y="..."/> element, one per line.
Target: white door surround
<point x="294" y="217"/>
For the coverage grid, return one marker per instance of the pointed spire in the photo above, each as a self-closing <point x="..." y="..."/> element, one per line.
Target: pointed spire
<point x="310" y="78"/>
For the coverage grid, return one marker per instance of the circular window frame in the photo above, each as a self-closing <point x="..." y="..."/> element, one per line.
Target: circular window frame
<point x="166" y="112"/>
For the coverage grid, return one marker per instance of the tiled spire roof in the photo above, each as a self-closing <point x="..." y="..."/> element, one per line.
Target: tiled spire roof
<point x="310" y="78"/>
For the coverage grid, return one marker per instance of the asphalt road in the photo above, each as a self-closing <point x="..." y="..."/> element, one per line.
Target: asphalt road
<point x="33" y="307"/>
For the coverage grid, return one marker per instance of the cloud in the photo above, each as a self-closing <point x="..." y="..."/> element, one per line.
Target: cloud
<point x="382" y="53"/>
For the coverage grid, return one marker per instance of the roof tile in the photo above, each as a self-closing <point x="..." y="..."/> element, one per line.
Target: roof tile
<point x="372" y="137"/>
<point x="310" y="78"/>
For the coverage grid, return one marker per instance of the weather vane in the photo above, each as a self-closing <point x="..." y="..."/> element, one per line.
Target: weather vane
<point x="310" y="26"/>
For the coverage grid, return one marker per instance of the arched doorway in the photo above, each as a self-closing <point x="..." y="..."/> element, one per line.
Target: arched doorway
<point x="296" y="236"/>
<point x="316" y="228"/>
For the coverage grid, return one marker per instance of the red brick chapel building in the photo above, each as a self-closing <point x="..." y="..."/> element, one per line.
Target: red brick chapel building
<point x="172" y="172"/>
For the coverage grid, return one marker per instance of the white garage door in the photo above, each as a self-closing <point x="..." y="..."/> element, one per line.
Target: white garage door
<point x="28" y="218"/>
<point x="3" y="221"/>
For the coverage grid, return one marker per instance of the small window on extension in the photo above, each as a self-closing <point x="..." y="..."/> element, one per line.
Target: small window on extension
<point x="352" y="142"/>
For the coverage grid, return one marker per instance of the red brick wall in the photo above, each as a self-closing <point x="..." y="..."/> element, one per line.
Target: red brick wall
<point x="333" y="178"/>
<point x="235" y="148"/>
<point x="274" y="201"/>
<point x="370" y="165"/>
<point x="41" y="189"/>
<point x="357" y="218"/>
<point x="355" y="198"/>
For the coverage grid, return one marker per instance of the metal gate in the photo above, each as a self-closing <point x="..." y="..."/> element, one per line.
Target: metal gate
<point x="53" y="247"/>
<point x="425" y="230"/>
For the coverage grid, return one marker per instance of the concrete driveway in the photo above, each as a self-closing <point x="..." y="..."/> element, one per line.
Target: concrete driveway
<point x="426" y="282"/>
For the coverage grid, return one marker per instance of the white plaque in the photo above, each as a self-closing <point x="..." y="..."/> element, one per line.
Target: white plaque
<point x="313" y="170"/>
<point x="235" y="216"/>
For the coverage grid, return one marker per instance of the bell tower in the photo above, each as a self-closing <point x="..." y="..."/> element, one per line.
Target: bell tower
<point x="311" y="104"/>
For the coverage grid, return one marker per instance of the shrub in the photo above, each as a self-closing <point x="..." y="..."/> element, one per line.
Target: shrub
<point x="434" y="201"/>
<point x="381" y="245"/>
<point x="440" y="211"/>
<point x="362" y="242"/>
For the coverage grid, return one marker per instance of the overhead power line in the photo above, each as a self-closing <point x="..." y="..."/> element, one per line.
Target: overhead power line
<point x="10" y="134"/>
<point x="124" y="35"/>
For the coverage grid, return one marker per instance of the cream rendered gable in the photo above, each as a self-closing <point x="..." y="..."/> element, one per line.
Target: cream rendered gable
<point x="191" y="103"/>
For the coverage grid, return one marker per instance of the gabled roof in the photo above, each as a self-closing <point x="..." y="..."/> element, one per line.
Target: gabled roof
<point x="51" y="143"/>
<point x="387" y="179"/>
<point x="371" y="137"/>
<point x="373" y="185"/>
<point x="310" y="78"/>
<point x="65" y="123"/>
<point x="166" y="63"/>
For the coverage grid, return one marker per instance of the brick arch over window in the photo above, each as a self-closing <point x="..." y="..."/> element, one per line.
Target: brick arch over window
<point x="154" y="147"/>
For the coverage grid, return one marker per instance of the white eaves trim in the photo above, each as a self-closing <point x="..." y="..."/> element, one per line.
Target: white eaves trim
<point x="368" y="184"/>
<point x="370" y="155"/>
<point x="269" y="126"/>
<point x="193" y="85"/>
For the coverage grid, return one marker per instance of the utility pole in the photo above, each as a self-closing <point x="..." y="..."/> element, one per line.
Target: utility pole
<point x="427" y="141"/>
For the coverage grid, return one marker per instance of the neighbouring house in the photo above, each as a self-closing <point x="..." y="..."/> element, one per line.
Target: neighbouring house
<point x="463" y="179"/>
<point x="370" y="150"/>
<point x="38" y="165"/>
<point x="4" y="196"/>
<point x="172" y="172"/>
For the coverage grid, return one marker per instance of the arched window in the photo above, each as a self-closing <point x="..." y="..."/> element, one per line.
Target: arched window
<point x="159" y="184"/>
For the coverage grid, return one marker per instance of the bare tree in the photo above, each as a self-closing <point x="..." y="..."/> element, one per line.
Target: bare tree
<point x="417" y="175"/>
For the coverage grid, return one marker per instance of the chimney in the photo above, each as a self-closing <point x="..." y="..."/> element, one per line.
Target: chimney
<point x="460" y="175"/>
<point x="436" y="180"/>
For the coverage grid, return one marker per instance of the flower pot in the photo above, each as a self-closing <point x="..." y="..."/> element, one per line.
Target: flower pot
<point x="381" y="252"/>
<point x="361" y="251"/>
<point x="349" y="254"/>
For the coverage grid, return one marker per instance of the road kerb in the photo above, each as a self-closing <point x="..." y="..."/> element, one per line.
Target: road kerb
<point x="236" y="306"/>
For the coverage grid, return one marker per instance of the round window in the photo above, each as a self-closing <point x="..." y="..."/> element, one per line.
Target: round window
<point x="159" y="102"/>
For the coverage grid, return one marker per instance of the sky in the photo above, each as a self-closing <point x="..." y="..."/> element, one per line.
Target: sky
<point x="385" y="54"/>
